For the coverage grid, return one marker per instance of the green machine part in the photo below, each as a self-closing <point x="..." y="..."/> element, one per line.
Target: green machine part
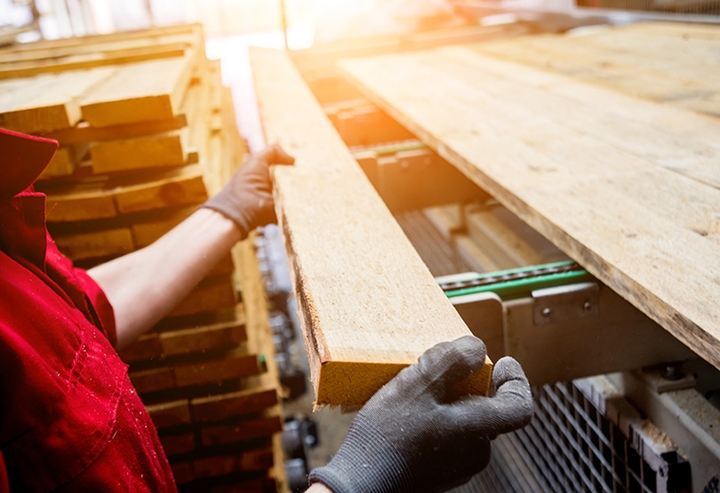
<point x="520" y="282"/>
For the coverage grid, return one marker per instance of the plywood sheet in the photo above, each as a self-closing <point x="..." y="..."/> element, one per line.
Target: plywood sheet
<point x="369" y="306"/>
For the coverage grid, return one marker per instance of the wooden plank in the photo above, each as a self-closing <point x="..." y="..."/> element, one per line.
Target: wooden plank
<point x="199" y="339"/>
<point x="321" y="57"/>
<point x="169" y="414"/>
<point x="140" y="92"/>
<point x="80" y="206"/>
<point x="46" y="103"/>
<point x="236" y="365"/>
<point x="156" y="151"/>
<point x="157" y="346"/>
<point x="152" y="380"/>
<point x="58" y="51"/>
<point x="539" y="97"/>
<point x="248" y="460"/>
<point x="640" y="217"/>
<point x="178" y="444"/>
<point x="31" y="68"/>
<point x="62" y="164"/>
<point x="207" y="298"/>
<point x="182" y="472"/>
<point x="103" y="197"/>
<point x="663" y="64"/>
<point x="369" y="305"/>
<point x="145" y="348"/>
<point x="257" y="485"/>
<point x="233" y="366"/>
<point x="507" y="244"/>
<point x="179" y="187"/>
<point x="98" y="40"/>
<point x="242" y="431"/>
<point x="96" y="244"/>
<point x="219" y="407"/>
<point x="83" y="132"/>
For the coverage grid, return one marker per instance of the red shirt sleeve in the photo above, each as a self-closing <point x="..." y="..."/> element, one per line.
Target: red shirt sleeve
<point x="4" y="485"/>
<point x="85" y="293"/>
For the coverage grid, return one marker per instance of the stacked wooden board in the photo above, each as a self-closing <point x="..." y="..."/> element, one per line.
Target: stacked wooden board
<point x="603" y="143"/>
<point x="147" y="132"/>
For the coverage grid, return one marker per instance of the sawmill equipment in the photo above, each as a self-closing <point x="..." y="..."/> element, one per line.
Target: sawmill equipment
<point x="515" y="115"/>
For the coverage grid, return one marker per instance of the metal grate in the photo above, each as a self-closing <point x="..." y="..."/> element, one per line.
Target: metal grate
<point x="590" y="451"/>
<point x="579" y="442"/>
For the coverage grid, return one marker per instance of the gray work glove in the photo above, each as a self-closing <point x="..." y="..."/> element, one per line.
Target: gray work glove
<point x="412" y="437"/>
<point x="247" y="198"/>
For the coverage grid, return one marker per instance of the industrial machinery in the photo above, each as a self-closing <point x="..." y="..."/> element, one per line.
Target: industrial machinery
<point x="621" y="405"/>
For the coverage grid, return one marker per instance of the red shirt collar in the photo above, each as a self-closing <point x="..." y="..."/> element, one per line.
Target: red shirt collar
<point x="22" y="158"/>
<point x="22" y="211"/>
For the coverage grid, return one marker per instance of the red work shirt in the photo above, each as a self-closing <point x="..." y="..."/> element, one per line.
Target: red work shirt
<point x="70" y="420"/>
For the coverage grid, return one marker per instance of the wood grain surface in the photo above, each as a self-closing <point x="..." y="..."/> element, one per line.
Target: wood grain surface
<point x="625" y="186"/>
<point x="369" y="306"/>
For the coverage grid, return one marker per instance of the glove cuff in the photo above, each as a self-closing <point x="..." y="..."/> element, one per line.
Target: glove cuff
<point x="224" y="205"/>
<point x="368" y="462"/>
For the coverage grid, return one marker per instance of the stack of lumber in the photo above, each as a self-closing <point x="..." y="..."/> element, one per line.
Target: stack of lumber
<point x="147" y="132"/>
<point x="606" y="144"/>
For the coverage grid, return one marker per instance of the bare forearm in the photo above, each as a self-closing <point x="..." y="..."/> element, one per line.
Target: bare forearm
<point x="318" y="488"/>
<point x="145" y="285"/>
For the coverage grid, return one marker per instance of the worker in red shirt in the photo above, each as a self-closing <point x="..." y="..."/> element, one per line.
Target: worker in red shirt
<point x="70" y="420"/>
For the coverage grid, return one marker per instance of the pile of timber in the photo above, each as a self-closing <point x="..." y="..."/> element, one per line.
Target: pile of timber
<point x="147" y="132"/>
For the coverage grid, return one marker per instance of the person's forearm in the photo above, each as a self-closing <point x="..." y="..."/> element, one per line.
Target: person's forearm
<point x="146" y="285"/>
<point x="318" y="488"/>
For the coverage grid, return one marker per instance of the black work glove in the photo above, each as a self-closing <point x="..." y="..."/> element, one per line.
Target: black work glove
<point x="412" y="437"/>
<point x="247" y="198"/>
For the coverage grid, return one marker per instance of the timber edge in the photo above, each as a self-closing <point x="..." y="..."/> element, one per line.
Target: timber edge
<point x="361" y="381"/>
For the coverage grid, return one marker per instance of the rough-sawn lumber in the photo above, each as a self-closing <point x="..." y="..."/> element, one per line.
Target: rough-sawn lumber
<point x="369" y="305"/>
<point x="596" y="172"/>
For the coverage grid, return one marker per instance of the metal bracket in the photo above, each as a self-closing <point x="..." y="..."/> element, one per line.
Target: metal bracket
<point x="484" y="315"/>
<point x="563" y="303"/>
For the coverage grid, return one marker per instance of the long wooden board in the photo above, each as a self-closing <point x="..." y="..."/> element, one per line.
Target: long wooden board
<point x="140" y="92"/>
<point x="596" y="172"/>
<point x="155" y="151"/>
<point x="48" y="102"/>
<point x="106" y="198"/>
<point x="149" y="36"/>
<point x="35" y="67"/>
<point x="369" y="305"/>
<point x="82" y="132"/>
<point x="677" y="65"/>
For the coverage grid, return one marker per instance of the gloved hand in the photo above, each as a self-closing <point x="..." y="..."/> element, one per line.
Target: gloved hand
<point x="247" y="198"/>
<point x="412" y="437"/>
